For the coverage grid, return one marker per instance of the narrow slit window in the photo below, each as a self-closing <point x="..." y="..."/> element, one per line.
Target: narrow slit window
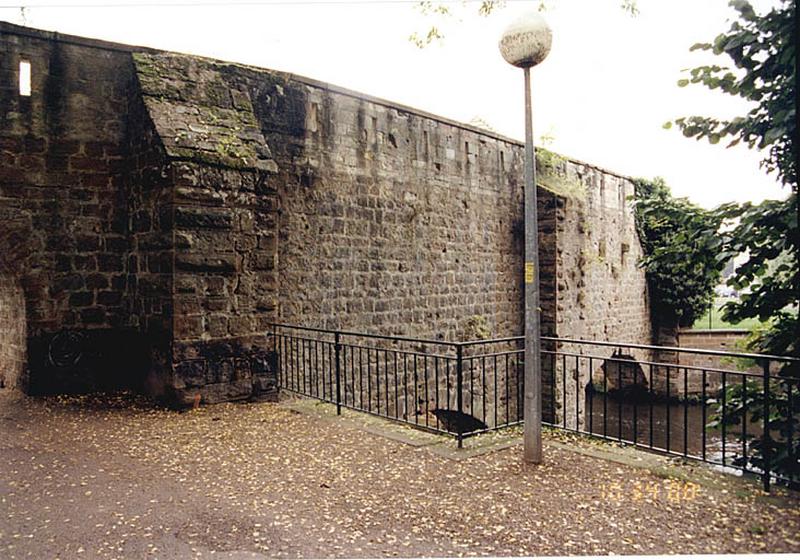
<point x="24" y="78"/>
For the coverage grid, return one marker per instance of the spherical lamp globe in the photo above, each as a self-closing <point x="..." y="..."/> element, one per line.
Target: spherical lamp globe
<point x="526" y="42"/>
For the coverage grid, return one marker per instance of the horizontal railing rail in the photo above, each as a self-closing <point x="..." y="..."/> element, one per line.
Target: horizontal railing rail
<point x="372" y="336"/>
<point x="707" y="405"/>
<point x="611" y="344"/>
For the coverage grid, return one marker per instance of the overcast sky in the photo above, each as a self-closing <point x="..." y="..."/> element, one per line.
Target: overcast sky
<point x="602" y="95"/>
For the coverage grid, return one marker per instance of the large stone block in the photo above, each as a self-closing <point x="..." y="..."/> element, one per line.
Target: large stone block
<point x="192" y="373"/>
<point x="219" y="264"/>
<point x="191" y="218"/>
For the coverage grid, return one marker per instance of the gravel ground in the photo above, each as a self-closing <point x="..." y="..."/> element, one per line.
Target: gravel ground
<point x="114" y="478"/>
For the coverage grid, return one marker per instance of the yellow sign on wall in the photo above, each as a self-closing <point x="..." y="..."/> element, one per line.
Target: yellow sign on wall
<point x="529" y="273"/>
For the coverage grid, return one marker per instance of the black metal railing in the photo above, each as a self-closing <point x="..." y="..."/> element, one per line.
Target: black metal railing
<point x="416" y="381"/>
<point x="700" y="404"/>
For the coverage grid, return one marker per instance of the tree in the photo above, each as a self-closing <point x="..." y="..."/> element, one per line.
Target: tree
<point x="762" y="49"/>
<point x="681" y="247"/>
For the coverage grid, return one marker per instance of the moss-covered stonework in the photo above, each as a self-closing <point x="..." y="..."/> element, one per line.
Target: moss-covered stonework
<point x="223" y="224"/>
<point x="201" y="111"/>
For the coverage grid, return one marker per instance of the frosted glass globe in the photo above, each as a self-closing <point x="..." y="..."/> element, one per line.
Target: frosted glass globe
<point x="526" y="42"/>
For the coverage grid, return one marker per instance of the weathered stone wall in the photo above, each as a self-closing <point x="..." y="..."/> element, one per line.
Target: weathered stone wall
<point x="221" y="216"/>
<point x="724" y="340"/>
<point x="12" y="332"/>
<point x="601" y="293"/>
<point x="63" y="166"/>
<point x="396" y="222"/>
<point x="152" y="248"/>
<point x="421" y="217"/>
<point x="192" y="202"/>
<point x="391" y="221"/>
<point x="62" y="177"/>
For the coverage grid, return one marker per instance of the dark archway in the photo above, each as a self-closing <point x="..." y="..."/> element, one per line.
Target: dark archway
<point x="621" y="375"/>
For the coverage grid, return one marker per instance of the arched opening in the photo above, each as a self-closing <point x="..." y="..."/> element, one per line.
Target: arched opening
<point x="13" y="333"/>
<point x="622" y="376"/>
<point x="15" y="230"/>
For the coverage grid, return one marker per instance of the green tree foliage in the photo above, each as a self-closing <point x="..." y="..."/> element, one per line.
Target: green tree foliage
<point x="768" y="281"/>
<point x="681" y="252"/>
<point x="762" y="50"/>
<point x="780" y="451"/>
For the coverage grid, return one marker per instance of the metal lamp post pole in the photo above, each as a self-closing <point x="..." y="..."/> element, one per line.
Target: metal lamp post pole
<point x="533" y="376"/>
<point x="525" y="43"/>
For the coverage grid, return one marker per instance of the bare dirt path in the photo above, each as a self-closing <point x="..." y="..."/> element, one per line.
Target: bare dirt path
<point x="108" y="478"/>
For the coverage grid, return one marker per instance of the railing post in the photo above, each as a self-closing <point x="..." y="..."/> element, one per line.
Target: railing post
<point x="459" y="387"/>
<point x="277" y="357"/>
<point x="338" y="349"/>
<point x="766" y="440"/>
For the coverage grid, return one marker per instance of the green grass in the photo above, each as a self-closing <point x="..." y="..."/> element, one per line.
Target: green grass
<point x="715" y="321"/>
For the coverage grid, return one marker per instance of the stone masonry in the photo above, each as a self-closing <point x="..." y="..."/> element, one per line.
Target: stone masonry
<point x="12" y="327"/>
<point x="163" y="210"/>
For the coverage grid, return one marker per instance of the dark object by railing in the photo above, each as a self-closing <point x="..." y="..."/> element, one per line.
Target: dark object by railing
<point x="699" y="404"/>
<point x="458" y="422"/>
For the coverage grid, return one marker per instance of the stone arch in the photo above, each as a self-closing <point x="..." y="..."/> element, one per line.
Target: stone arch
<point x="13" y="333"/>
<point x="621" y="373"/>
<point x="15" y="235"/>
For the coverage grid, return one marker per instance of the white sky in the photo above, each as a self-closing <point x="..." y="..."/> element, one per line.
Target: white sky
<point x="603" y="93"/>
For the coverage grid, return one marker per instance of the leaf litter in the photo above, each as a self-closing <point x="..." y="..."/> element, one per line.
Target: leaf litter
<point x="116" y="477"/>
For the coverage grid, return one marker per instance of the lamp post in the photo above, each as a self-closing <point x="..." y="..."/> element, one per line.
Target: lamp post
<point x="524" y="44"/>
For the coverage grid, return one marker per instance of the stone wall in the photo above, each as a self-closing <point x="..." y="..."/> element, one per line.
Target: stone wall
<point x="150" y="284"/>
<point x="391" y="221"/>
<point x="729" y="340"/>
<point x="62" y="177"/>
<point x="220" y="214"/>
<point x="12" y="332"/>
<point x="397" y="222"/>
<point x="187" y="203"/>
<point x="601" y="293"/>
<point x="423" y="216"/>
<point x="726" y="340"/>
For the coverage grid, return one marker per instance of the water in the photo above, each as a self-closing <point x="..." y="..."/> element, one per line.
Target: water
<point x="677" y="427"/>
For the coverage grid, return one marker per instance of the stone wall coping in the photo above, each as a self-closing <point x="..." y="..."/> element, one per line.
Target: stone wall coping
<point x="32" y="32"/>
<point x="13" y="29"/>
